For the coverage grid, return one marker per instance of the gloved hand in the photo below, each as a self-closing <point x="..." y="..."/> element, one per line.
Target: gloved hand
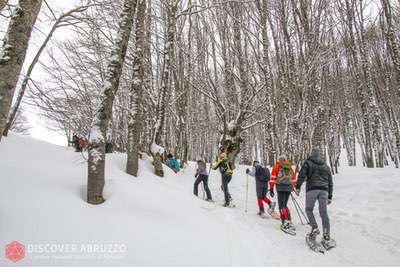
<point x="297" y="192"/>
<point x="271" y="192"/>
<point x="247" y="171"/>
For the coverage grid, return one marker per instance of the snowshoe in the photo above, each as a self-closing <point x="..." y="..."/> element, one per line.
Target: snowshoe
<point x="311" y="240"/>
<point x="275" y="215"/>
<point x="285" y="227"/>
<point x="229" y="205"/>
<point x="291" y="226"/>
<point x="327" y="242"/>
<point x="262" y="215"/>
<point x="271" y="211"/>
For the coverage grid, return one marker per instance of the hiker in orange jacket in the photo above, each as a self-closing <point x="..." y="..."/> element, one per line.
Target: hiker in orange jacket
<point x="284" y="178"/>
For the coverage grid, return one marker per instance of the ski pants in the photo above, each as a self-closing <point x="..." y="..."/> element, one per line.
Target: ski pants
<point x="322" y="196"/>
<point x="226" y="178"/>
<point x="283" y="198"/>
<point x="202" y="178"/>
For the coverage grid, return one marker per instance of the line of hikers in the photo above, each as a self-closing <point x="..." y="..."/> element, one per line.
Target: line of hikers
<point x="314" y="171"/>
<point x="79" y="143"/>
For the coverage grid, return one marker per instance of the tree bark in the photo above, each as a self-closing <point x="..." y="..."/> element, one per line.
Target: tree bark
<point x="3" y="3"/>
<point x="169" y="47"/>
<point x="27" y="77"/>
<point x="392" y="41"/>
<point x="135" y="124"/>
<point x="96" y="163"/>
<point x="13" y="53"/>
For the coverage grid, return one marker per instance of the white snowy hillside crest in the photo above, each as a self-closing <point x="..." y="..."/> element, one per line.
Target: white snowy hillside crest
<point x="150" y="221"/>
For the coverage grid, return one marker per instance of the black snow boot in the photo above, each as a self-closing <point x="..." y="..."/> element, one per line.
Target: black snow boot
<point x="314" y="232"/>
<point x="326" y="236"/>
<point x="261" y="212"/>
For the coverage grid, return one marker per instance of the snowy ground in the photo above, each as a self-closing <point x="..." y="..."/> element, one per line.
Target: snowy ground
<point x="158" y="222"/>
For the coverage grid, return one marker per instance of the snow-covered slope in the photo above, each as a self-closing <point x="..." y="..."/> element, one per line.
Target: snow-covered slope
<point x="158" y="222"/>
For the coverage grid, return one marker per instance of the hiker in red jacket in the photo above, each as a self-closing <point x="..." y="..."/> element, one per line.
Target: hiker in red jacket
<point x="284" y="178"/>
<point x="81" y="143"/>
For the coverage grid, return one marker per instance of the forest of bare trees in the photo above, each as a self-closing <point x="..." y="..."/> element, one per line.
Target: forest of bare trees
<point x="258" y="78"/>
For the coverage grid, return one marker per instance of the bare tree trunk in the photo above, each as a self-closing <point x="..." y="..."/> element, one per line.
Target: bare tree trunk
<point x="3" y="3"/>
<point x="135" y="116"/>
<point x="392" y="42"/>
<point x="13" y="53"/>
<point x="96" y="163"/>
<point x="171" y="7"/>
<point x="62" y="19"/>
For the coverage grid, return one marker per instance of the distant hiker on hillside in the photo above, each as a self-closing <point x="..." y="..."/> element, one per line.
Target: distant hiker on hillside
<point x="202" y="176"/>
<point x="225" y="167"/>
<point x="109" y="147"/>
<point x="172" y="163"/>
<point x="75" y="142"/>
<point x="81" y="144"/>
<point x="262" y="176"/>
<point x="284" y="178"/>
<point x="319" y="187"/>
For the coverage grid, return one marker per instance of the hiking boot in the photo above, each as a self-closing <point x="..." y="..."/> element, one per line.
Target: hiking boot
<point x="209" y="200"/>
<point x="285" y="225"/>
<point x="326" y="237"/>
<point x="261" y="212"/>
<point x="226" y="204"/>
<point x="314" y="232"/>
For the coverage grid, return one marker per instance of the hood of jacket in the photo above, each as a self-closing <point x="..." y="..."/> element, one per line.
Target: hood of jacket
<point x="316" y="157"/>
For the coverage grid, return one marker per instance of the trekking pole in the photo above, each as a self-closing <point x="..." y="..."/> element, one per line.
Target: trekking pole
<point x="304" y="215"/>
<point x="247" y="191"/>
<point x="297" y="210"/>
<point x="297" y="207"/>
<point x="204" y="191"/>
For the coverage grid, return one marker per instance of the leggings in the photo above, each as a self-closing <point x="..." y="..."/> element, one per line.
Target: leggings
<point x="283" y="198"/>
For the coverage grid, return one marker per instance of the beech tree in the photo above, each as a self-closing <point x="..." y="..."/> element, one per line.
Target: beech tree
<point x="13" y="53"/>
<point x="96" y="161"/>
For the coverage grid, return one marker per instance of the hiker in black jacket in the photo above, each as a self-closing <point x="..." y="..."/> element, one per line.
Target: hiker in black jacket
<point x="262" y="176"/>
<point x="319" y="187"/>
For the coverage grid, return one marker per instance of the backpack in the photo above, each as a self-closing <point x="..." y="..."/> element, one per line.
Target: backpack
<point x="284" y="176"/>
<point x="262" y="174"/>
<point x="227" y="166"/>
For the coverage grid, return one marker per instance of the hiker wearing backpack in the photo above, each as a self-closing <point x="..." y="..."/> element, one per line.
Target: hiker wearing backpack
<point x="225" y="166"/>
<point x="172" y="163"/>
<point x="81" y="144"/>
<point x="262" y="176"/>
<point x="284" y="178"/>
<point x="202" y="176"/>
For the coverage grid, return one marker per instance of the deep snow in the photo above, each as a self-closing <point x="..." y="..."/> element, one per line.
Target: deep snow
<point x="161" y="223"/>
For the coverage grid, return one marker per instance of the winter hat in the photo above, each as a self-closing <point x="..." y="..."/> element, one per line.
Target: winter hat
<point x="315" y="152"/>
<point x="282" y="157"/>
<point x="256" y="162"/>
